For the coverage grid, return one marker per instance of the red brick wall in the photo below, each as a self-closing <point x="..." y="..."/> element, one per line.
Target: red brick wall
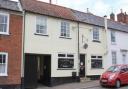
<point x="12" y="44"/>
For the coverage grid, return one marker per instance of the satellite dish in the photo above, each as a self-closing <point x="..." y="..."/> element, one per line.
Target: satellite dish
<point x="85" y="46"/>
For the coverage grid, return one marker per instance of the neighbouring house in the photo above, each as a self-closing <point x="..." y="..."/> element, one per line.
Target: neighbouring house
<point x="51" y="46"/>
<point x="117" y="40"/>
<point x="10" y="44"/>
<point x="92" y="33"/>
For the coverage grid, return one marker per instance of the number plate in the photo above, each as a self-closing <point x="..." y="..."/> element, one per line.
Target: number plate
<point x="104" y="80"/>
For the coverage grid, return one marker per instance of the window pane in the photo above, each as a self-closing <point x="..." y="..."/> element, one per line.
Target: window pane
<point x="0" y="59"/>
<point x="61" y="55"/>
<point x="113" y="57"/>
<point x="70" y="55"/>
<point x="93" y="56"/>
<point x="113" y="39"/>
<point x="65" y="30"/>
<point x="96" y="34"/>
<point x="1" y="19"/>
<point x="65" y="63"/>
<point x="96" y="63"/>
<point x="2" y="68"/>
<point x="1" y="28"/>
<point x="41" y="25"/>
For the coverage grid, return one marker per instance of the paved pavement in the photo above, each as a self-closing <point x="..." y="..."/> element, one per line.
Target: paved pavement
<point x="85" y="85"/>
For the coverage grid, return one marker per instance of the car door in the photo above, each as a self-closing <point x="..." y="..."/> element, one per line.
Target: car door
<point x="123" y="75"/>
<point x="127" y="74"/>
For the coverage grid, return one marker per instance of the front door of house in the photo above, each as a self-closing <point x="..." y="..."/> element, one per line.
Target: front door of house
<point x="82" y="65"/>
<point x="47" y="70"/>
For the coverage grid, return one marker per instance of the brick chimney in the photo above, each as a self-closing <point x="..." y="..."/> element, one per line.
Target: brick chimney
<point x="50" y="1"/>
<point x="121" y="17"/>
<point x="112" y="16"/>
<point x="126" y="18"/>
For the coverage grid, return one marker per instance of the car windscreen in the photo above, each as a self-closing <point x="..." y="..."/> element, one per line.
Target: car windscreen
<point x="113" y="69"/>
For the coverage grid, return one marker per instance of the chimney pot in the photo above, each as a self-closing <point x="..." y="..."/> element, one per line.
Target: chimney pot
<point x="112" y="16"/>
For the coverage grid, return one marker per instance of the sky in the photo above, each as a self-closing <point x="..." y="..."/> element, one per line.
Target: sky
<point x="97" y="7"/>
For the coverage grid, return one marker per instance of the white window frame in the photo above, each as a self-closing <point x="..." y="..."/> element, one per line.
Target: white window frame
<point x="65" y="29"/>
<point x="96" y="34"/>
<point x="6" y="66"/>
<point x="114" y="34"/>
<point x="66" y="57"/>
<point x="114" y="60"/>
<point x="97" y="58"/>
<point x="7" y="28"/>
<point x="41" y="21"/>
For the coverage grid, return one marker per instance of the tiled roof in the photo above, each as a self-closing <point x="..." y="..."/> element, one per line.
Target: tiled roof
<point x="67" y="13"/>
<point x="11" y="5"/>
<point x="99" y="21"/>
<point x="47" y="9"/>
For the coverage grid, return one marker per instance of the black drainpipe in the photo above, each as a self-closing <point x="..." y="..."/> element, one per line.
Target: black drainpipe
<point x="78" y="51"/>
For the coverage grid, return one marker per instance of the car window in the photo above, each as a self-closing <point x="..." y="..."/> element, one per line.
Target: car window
<point x="124" y="69"/>
<point x="113" y="69"/>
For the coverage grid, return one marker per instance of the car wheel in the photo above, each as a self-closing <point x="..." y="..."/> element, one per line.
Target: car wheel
<point x="118" y="84"/>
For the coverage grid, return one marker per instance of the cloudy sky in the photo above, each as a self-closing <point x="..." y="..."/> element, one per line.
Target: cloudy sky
<point x="97" y="7"/>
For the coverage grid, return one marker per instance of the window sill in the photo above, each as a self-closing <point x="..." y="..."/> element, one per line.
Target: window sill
<point x="113" y="43"/>
<point x="3" y="75"/>
<point x="97" y="41"/>
<point x="66" y="69"/>
<point x="6" y="34"/>
<point x="65" y="37"/>
<point x="41" y="34"/>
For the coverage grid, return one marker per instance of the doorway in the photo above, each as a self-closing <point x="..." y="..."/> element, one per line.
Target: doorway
<point x="37" y="70"/>
<point x="82" y="65"/>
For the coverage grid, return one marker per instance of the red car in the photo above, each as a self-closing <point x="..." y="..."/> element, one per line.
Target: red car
<point x="116" y="75"/>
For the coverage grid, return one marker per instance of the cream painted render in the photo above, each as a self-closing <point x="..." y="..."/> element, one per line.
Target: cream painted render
<point x="94" y="48"/>
<point x="51" y="44"/>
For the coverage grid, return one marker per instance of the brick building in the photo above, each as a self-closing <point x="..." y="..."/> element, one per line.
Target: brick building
<point x="10" y="44"/>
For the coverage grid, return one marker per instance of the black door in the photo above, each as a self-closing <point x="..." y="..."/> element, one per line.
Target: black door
<point x="82" y="65"/>
<point x="30" y="73"/>
<point x="47" y="70"/>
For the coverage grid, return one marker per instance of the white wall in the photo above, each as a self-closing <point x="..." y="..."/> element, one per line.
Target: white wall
<point x="51" y="44"/>
<point x="121" y="44"/>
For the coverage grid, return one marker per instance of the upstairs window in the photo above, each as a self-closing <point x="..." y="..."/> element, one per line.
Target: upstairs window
<point x="4" y="23"/>
<point x="65" y="29"/>
<point x="95" y="34"/>
<point x="113" y="37"/>
<point x="41" y="25"/>
<point x="3" y="64"/>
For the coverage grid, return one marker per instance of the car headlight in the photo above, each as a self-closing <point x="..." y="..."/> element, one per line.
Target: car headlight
<point x="112" y="76"/>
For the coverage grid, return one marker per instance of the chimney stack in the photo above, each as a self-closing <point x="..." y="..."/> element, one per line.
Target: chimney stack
<point x="112" y="16"/>
<point x="121" y="17"/>
<point x="50" y="1"/>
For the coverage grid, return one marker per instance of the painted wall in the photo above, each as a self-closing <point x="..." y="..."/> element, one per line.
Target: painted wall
<point x="121" y="44"/>
<point x="94" y="48"/>
<point x="51" y="44"/>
